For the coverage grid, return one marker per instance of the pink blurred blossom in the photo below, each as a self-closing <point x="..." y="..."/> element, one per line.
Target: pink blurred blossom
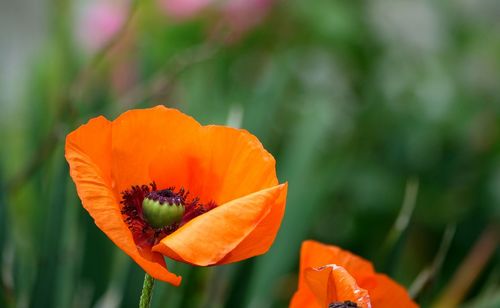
<point x="98" y="21"/>
<point x="184" y="9"/>
<point x="244" y="14"/>
<point x="238" y="15"/>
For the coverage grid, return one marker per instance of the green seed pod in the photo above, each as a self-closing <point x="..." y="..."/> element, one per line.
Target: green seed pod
<point x="160" y="215"/>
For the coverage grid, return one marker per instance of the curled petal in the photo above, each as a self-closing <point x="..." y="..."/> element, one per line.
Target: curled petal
<point x="332" y="283"/>
<point x="315" y="254"/>
<point x="261" y="238"/>
<point x="382" y="291"/>
<point x="209" y="238"/>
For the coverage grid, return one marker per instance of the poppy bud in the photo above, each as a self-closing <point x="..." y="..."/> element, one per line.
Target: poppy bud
<point x="159" y="213"/>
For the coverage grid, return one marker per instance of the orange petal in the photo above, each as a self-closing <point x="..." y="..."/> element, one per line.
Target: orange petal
<point x="304" y="297"/>
<point x="262" y="237"/>
<point x="222" y="164"/>
<point x="387" y="293"/>
<point x="88" y="152"/>
<point x="139" y="136"/>
<point x="315" y="254"/>
<point x="238" y="163"/>
<point x="333" y="283"/>
<point x="208" y="238"/>
<point x="383" y="291"/>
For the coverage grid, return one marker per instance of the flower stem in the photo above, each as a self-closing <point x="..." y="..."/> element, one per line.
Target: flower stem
<point x="147" y="291"/>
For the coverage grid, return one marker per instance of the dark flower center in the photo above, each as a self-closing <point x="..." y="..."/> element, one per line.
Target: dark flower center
<point x="152" y="214"/>
<point x="346" y="304"/>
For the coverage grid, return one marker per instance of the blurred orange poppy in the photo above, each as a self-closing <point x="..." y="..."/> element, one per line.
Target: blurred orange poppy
<point x="213" y="195"/>
<point x="332" y="277"/>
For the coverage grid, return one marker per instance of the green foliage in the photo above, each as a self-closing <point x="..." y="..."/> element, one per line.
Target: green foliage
<point x="353" y="98"/>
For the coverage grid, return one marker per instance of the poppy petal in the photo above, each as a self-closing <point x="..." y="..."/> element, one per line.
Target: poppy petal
<point x="238" y="164"/>
<point x="208" y="238"/>
<point x="383" y="291"/>
<point x="388" y="293"/>
<point x="215" y="163"/>
<point x="261" y="238"/>
<point x="332" y="283"/>
<point x="315" y="254"/>
<point x="88" y="152"/>
<point x="304" y="297"/>
<point x="138" y="138"/>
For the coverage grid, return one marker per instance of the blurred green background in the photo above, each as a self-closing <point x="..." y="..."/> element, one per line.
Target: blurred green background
<point x="383" y="116"/>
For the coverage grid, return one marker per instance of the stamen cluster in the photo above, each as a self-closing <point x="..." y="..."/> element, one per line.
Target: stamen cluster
<point x="167" y="196"/>
<point x="346" y="304"/>
<point x="132" y="210"/>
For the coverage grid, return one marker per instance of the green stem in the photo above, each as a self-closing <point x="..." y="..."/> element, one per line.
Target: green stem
<point x="147" y="291"/>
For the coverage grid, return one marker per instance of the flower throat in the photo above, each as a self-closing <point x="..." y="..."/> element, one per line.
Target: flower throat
<point x="152" y="214"/>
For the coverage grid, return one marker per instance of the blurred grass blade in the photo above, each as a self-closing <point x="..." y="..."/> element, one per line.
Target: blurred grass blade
<point x="114" y="294"/>
<point x="70" y="252"/>
<point x="491" y="301"/>
<point x="6" y="252"/>
<point x="430" y="273"/>
<point x="218" y="286"/>
<point x="489" y="296"/>
<point x="388" y="251"/>
<point x="49" y="258"/>
<point x="170" y="296"/>
<point x="471" y="267"/>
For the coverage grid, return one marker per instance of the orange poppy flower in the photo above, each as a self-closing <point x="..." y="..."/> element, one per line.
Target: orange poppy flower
<point x="332" y="277"/>
<point x="213" y="195"/>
